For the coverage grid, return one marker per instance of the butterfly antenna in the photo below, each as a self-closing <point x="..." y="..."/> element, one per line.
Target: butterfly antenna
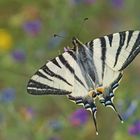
<point x="85" y="19"/>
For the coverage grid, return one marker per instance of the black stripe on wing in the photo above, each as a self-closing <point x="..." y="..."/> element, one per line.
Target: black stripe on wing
<point x="72" y="54"/>
<point x="130" y="33"/>
<point x="85" y="57"/>
<point x="121" y="43"/>
<point x="67" y="65"/>
<point x="115" y="84"/>
<point x="103" y="57"/>
<point x="36" y="88"/>
<point x="110" y="37"/>
<point x="52" y="74"/>
<point x="94" y="69"/>
<point x="77" y="100"/>
<point x="134" y="52"/>
<point x="42" y="75"/>
<point x="55" y="62"/>
<point x="91" y="44"/>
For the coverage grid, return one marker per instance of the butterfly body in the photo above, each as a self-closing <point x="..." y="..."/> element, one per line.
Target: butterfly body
<point x="88" y="70"/>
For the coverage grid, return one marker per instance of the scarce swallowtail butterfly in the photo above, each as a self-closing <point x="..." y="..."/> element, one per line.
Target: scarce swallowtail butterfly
<point x="88" y="71"/>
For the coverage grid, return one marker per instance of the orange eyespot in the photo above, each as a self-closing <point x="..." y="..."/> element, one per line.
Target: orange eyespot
<point x="100" y="89"/>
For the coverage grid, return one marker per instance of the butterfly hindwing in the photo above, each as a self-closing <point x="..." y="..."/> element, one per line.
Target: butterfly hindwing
<point x="59" y="77"/>
<point x="55" y="77"/>
<point x="113" y="53"/>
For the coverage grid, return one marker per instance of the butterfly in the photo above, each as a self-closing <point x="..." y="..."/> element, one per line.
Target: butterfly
<point x="88" y="70"/>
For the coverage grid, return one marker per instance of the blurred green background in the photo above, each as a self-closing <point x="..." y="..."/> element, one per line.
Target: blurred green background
<point x="27" y="42"/>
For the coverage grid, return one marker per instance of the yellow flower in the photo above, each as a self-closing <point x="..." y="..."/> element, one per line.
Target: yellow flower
<point x="5" y="40"/>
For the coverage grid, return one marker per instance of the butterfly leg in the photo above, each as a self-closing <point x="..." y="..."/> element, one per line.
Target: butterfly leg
<point x="88" y="105"/>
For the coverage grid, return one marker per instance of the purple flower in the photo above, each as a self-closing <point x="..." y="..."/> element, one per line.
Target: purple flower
<point x="18" y="55"/>
<point x="79" y="117"/>
<point x="117" y="3"/>
<point x="135" y="128"/>
<point x="33" y="27"/>
<point x="7" y="95"/>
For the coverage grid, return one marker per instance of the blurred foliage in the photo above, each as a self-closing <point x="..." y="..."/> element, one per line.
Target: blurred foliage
<point x="27" y="42"/>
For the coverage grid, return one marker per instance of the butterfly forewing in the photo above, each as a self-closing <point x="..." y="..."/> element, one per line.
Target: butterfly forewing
<point x="113" y="53"/>
<point x="53" y="78"/>
<point x="61" y="75"/>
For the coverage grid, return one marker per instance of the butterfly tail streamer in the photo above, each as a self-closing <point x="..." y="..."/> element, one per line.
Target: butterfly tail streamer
<point x="114" y="108"/>
<point x="88" y="105"/>
<point x="95" y="123"/>
<point x="94" y="110"/>
<point x="92" y="107"/>
<point x="116" y="111"/>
